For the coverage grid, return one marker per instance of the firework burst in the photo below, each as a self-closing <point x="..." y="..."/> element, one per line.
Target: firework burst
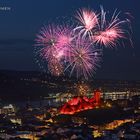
<point x="51" y="44"/>
<point x="77" y="49"/>
<point x="54" y="39"/>
<point x="109" y="33"/>
<point x="65" y="36"/>
<point x="46" y="37"/>
<point x="83" y="59"/>
<point x="88" y="21"/>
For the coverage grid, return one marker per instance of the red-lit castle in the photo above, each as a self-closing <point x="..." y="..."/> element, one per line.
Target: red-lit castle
<point x="78" y="104"/>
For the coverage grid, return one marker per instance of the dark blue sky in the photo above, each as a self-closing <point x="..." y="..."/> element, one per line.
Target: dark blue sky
<point x="19" y="26"/>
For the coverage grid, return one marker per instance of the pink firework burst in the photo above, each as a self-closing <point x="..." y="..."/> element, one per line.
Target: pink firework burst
<point x="83" y="59"/>
<point x="109" y="33"/>
<point x="88" y="21"/>
<point x="52" y="43"/>
<point x="52" y="59"/>
<point x="55" y="40"/>
<point x="54" y="36"/>
<point x="47" y="36"/>
<point x="65" y="36"/>
<point x="68" y="49"/>
<point x="109" y="37"/>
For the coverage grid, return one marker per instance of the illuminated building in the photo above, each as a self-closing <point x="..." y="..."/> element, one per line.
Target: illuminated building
<point x="81" y="103"/>
<point x="9" y="110"/>
<point x="16" y="120"/>
<point x="115" y="95"/>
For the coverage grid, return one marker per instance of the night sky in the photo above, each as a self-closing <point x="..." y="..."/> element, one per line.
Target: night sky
<point x="20" y="24"/>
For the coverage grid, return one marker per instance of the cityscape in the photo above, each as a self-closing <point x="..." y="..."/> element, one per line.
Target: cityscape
<point x="69" y="70"/>
<point x="64" y="115"/>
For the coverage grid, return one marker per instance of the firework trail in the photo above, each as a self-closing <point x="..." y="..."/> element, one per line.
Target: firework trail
<point x="55" y="67"/>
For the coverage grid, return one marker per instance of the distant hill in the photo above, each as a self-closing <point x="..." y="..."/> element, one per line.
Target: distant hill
<point x="17" y="85"/>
